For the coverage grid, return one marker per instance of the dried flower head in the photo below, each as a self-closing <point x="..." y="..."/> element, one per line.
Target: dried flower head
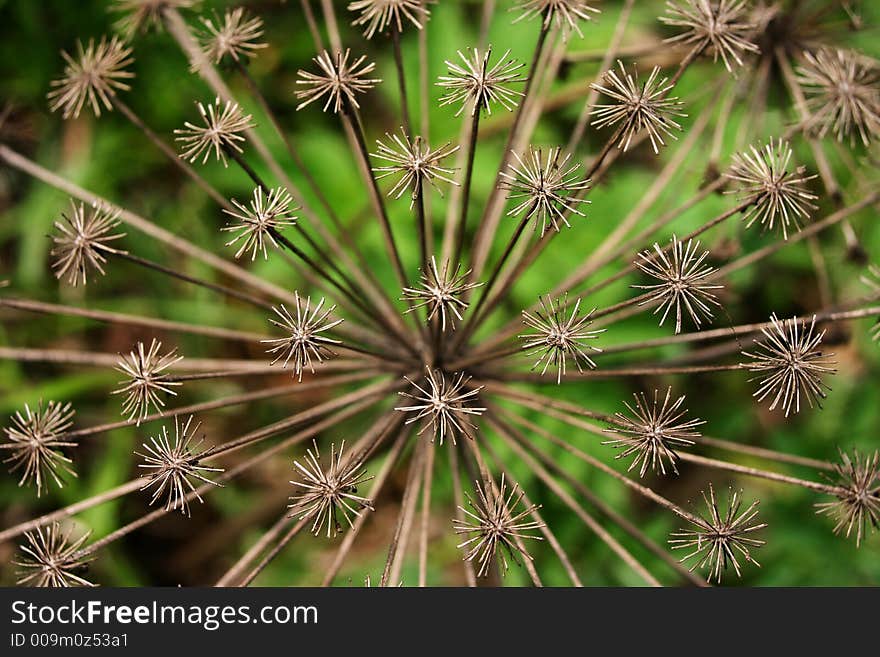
<point x="443" y="403"/>
<point x="475" y="83"/>
<point x="34" y="443"/>
<point x="83" y="241"/>
<point x="791" y="364"/>
<point x="172" y="469"/>
<point x="328" y="493"/>
<point x="653" y="432"/>
<point x="307" y="340"/>
<point x="557" y="338"/>
<point x="143" y="15"/>
<point x="51" y="559"/>
<point x="377" y="15"/>
<point x="722" y="26"/>
<point x="682" y="282"/>
<point x="237" y="36"/>
<point x="441" y="292"/>
<point x="544" y="188"/>
<point x="340" y="81"/>
<point x="564" y="13"/>
<point x="873" y="281"/>
<point x="92" y="76"/>
<point x="147" y="380"/>
<point x="414" y="161"/>
<point x="497" y="529"/>
<point x="778" y="193"/>
<point x="256" y="224"/>
<point x="857" y="506"/>
<point x="720" y="539"/>
<point x="843" y="92"/>
<point x="637" y="107"/>
<point x="221" y="134"/>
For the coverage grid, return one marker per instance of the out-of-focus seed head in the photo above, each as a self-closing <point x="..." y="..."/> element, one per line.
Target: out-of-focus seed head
<point x="147" y="380"/>
<point x="474" y="83"/>
<point x="443" y="404"/>
<point x="82" y="240"/>
<point x="872" y="280"/>
<point x="93" y="75"/>
<point x="339" y="81"/>
<point x="220" y="134"/>
<point x="236" y="36"/>
<point x="682" y="282"/>
<point x="34" y="443"/>
<point x="50" y="558"/>
<point x="440" y="293"/>
<point x="565" y="14"/>
<point x="843" y="94"/>
<point x="495" y="527"/>
<point x="379" y="15"/>
<point x="857" y="507"/>
<point x="173" y="468"/>
<point x="559" y="335"/>
<point x="256" y="223"/>
<point x="775" y="188"/>
<point x="307" y="340"/>
<point x="414" y="161"/>
<point x="720" y="538"/>
<point x="791" y="365"/>
<point x="637" y="107"/>
<point x="327" y="495"/>
<point x="546" y="189"/>
<point x="143" y="15"/>
<point x="653" y="432"/>
<point x="720" y="26"/>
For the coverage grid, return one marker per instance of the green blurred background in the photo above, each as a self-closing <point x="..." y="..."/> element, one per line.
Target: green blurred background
<point x="112" y="158"/>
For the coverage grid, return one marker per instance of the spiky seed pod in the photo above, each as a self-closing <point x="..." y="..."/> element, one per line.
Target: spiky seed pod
<point x="441" y="292"/>
<point x="637" y="107"/>
<point x="558" y="338"/>
<point x="414" y="161"/>
<point x="721" y="26"/>
<point x="34" y="443"/>
<point x="307" y="340"/>
<point x="51" y="559"/>
<point x="873" y="281"/>
<point x="546" y="189"/>
<point x="857" y="507"/>
<point x="720" y="539"/>
<point x="256" y="223"/>
<point x="653" y="432"/>
<point x="220" y="134"/>
<point x="237" y="36"/>
<point x="172" y="469"/>
<point x="843" y="92"/>
<point x="476" y="84"/>
<point x="328" y="493"/>
<point x="776" y="189"/>
<point x="147" y="380"/>
<point x="92" y="76"/>
<point x="442" y="402"/>
<point x="379" y="15"/>
<point x="340" y="81"/>
<point x="791" y="364"/>
<point x="143" y="15"/>
<point x="682" y="282"/>
<point x="82" y="241"/>
<point x="565" y="14"/>
<point x="496" y="527"/>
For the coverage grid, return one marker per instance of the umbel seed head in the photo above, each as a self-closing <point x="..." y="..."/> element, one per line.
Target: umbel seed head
<point x="34" y="443"/>
<point x="443" y="404"/>
<point x="220" y="135"/>
<point x="83" y="241"/>
<point x="857" y="507"/>
<point x="475" y="83"/>
<point x="721" y="27"/>
<point x="414" y="161"/>
<point x="237" y="36"/>
<point x="377" y="16"/>
<point x="144" y="15"/>
<point x="307" y="341"/>
<point x="565" y="15"/>
<point x="147" y="380"/>
<point x="257" y="223"/>
<point x="51" y="559"/>
<point x="440" y="293"/>
<point x="92" y="76"/>
<point x="339" y="82"/>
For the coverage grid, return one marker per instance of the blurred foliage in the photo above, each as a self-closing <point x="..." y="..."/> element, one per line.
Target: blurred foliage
<point x="112" y="158"/>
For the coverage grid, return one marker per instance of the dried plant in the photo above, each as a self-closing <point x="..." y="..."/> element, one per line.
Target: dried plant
<point x="418" y="354"/>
